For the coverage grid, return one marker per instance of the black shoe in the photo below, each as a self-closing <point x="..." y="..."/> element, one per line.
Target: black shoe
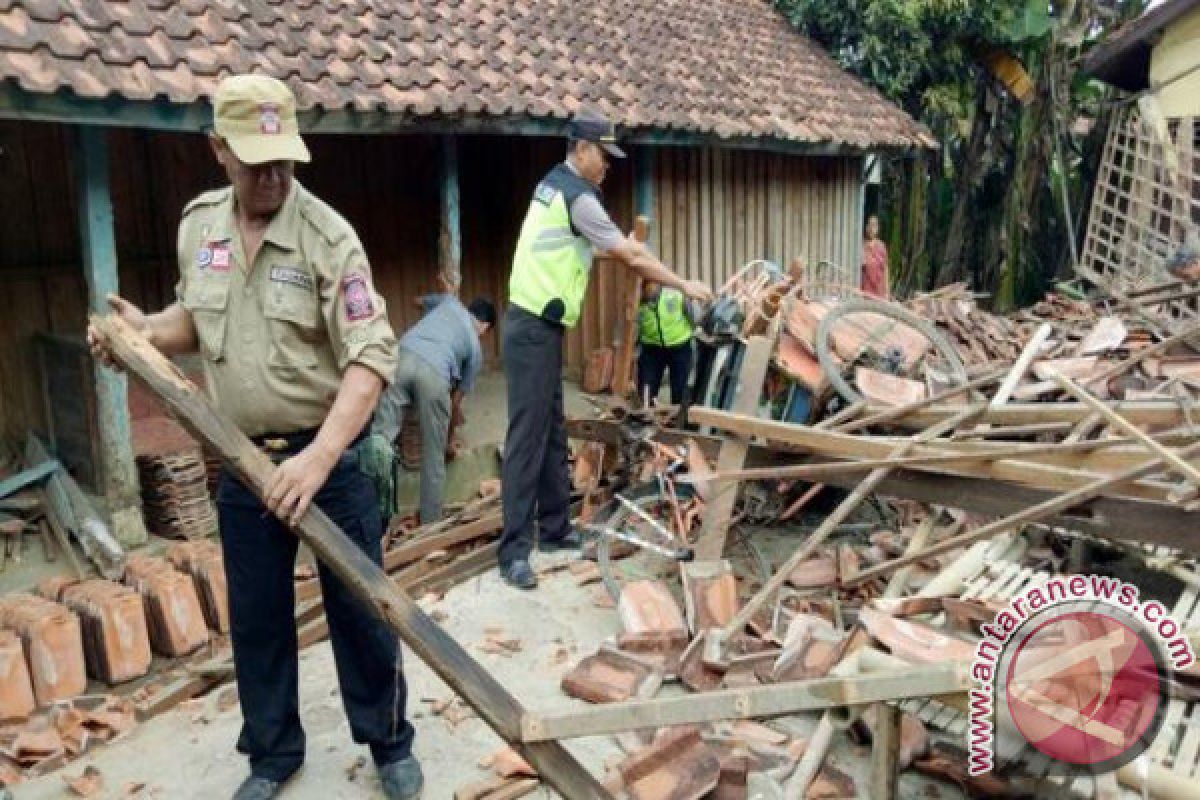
<point x="257" y="787"/>
<point x="572" y="541"/>
<point x="519" y="574"/>
<point x="402" y="780"/>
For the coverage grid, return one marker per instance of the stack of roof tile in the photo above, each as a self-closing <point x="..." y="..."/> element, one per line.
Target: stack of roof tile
<point x="202" y="560"/>
<point x="116" y="641"/>
<point x="53" y="644"/>
<point x="175" y="494"/>
<point x="173" y="610"/>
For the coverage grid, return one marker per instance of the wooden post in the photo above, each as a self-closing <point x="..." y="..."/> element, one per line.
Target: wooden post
<point x="623" y="382"/>
<point x="757" y="360"/>
<point x="450" y="228"/>
<point x="366" y="580"/>
<point x="118" y="481"/>
<point x="885" y="752"/>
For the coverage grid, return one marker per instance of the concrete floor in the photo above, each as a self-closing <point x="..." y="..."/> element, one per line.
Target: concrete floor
<point x="189" y="752"/>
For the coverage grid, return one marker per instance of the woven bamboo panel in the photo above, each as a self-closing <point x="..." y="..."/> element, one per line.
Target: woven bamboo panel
<point x="1144" y="206"/>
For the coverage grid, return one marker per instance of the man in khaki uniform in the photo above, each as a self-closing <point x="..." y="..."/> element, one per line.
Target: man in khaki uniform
<point x="275" y="292"/>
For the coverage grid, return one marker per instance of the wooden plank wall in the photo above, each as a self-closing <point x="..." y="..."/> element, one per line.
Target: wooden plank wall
<point x="714" y="210"/>
<point x="719" y="209"/>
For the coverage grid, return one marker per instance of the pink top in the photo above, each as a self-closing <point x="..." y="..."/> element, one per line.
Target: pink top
<point x="875" y="266"/>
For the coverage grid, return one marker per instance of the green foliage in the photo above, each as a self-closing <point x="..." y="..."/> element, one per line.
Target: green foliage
<point x="988" y="206"/>
<point x="903" y="47"/>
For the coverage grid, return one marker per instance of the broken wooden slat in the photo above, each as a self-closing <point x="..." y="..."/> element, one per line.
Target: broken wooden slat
<point x="366" y="579"/>
<point x="710" y="545"/>
<point x="622" y="381"/>
<point x="758" y="701"/>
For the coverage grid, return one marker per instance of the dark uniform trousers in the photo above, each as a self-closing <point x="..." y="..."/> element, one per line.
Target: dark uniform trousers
<point x="535" y="481"/>
<point x="654" y="360"/>
<point x="260" y="556"/>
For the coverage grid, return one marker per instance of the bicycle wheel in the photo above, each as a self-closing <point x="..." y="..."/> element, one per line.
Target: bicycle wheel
<point x="883" y="337"/>
<point x="643" y="564"/>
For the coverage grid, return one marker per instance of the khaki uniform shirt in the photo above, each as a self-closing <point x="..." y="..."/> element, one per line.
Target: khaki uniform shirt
<point x="278" y="334"/>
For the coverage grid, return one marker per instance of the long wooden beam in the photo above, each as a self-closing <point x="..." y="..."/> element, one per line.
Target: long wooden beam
<point x="1015" y="521"/>
<point x="1154" y="413"/>
<point x="499" y="709"/>
<point x="757" y="701"/>
<point x="1138" y="520"/>
<point x="834" y="444"/>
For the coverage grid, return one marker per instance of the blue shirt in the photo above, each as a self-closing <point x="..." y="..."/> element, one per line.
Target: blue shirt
<point x="446" y="340"/>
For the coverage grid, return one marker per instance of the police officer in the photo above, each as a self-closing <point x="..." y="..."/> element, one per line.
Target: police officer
<point x="275" y="292"/>
<point x="665" y="322"/>
<point x="564" y="227"/>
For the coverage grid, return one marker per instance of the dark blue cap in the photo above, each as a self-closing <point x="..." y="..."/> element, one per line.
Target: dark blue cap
<point x="592" y="126"/>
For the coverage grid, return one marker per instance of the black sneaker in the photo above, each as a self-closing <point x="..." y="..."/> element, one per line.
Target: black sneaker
<point x="572" y="541"/>
<point x="519" y="574"/>
<point x="257" y="787"/>
<point x="402" y="780"/>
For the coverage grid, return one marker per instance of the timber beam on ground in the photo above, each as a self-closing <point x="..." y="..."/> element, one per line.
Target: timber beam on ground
<point x="1025" y="471"/>
<point x="1152" y="413"/>
<point x="774" y="700"/>
<point x="1106" y="517"/>
<point x="374" y="588"/>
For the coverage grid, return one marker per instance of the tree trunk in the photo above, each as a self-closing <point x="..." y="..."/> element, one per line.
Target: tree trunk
<point x="968" y="172"/>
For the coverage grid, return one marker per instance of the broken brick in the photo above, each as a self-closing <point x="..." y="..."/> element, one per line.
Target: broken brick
<point x="53" y="645"/>
<point x="678" y="765"/>
<point x="694" y="673"/>
<point x="507" y="763"/>
<point x="915" y="643"/>
<point x="662" y="649"/>
<point x="831" y="784"/>
<point x="709" y="594"/>
<point x="815" y="573"/>
<point x="733" y="782"/>
<point x="51" y="588"/>
<point x="16" y="691"/>
<point x="646" y="606"/>
<point x="176" y="621"/>
<point x="610" y="676"/>
<point x="116" y="641"/>
<point x="202" y="560"/>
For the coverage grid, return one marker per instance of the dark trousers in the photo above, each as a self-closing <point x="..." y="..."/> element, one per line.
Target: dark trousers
<point x="260" y="557"/>
<point x="654" y="361"/>
<point x="535" y="482"/>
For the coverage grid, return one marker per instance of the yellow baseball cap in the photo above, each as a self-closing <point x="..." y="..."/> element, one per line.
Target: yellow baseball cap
<point x="256" y="115"/>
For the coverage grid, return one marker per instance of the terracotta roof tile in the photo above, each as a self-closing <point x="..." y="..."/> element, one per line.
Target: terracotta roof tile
<point x="733" y="68"/>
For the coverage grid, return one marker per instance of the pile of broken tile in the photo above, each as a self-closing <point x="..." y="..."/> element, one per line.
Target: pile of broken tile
<point x="1075" y="437"/>
<point x="53" y="641"/>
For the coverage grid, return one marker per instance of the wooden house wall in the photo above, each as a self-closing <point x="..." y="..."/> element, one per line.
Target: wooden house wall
<point x="713" y="211"/>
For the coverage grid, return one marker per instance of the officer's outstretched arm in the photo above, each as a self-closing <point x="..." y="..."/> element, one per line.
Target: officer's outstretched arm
<point x="638" y="258"/>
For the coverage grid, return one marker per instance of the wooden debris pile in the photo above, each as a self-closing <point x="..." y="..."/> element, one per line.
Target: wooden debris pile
<point x="1069" y="434"/>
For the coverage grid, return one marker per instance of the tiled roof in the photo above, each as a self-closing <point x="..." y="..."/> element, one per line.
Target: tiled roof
<point x="728" y="67"/>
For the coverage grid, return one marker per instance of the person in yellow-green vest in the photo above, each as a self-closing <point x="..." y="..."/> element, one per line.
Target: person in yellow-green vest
<point x="665" y="321"/>
<point x="563" y="229"/>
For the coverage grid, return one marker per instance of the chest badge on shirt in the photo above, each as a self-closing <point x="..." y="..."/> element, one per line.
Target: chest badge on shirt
<point x="357" y="297"/>
<point x="292" y="275"/>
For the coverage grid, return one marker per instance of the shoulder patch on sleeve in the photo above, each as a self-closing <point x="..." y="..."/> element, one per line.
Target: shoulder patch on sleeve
<point x="356" y="297"/>
<point x="206" y="199"/>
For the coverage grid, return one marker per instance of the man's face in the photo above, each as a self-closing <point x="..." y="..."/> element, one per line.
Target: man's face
<point x="1191" y="272"/>
<point x="261" y="189"/>
<point x="592" y="162"/>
